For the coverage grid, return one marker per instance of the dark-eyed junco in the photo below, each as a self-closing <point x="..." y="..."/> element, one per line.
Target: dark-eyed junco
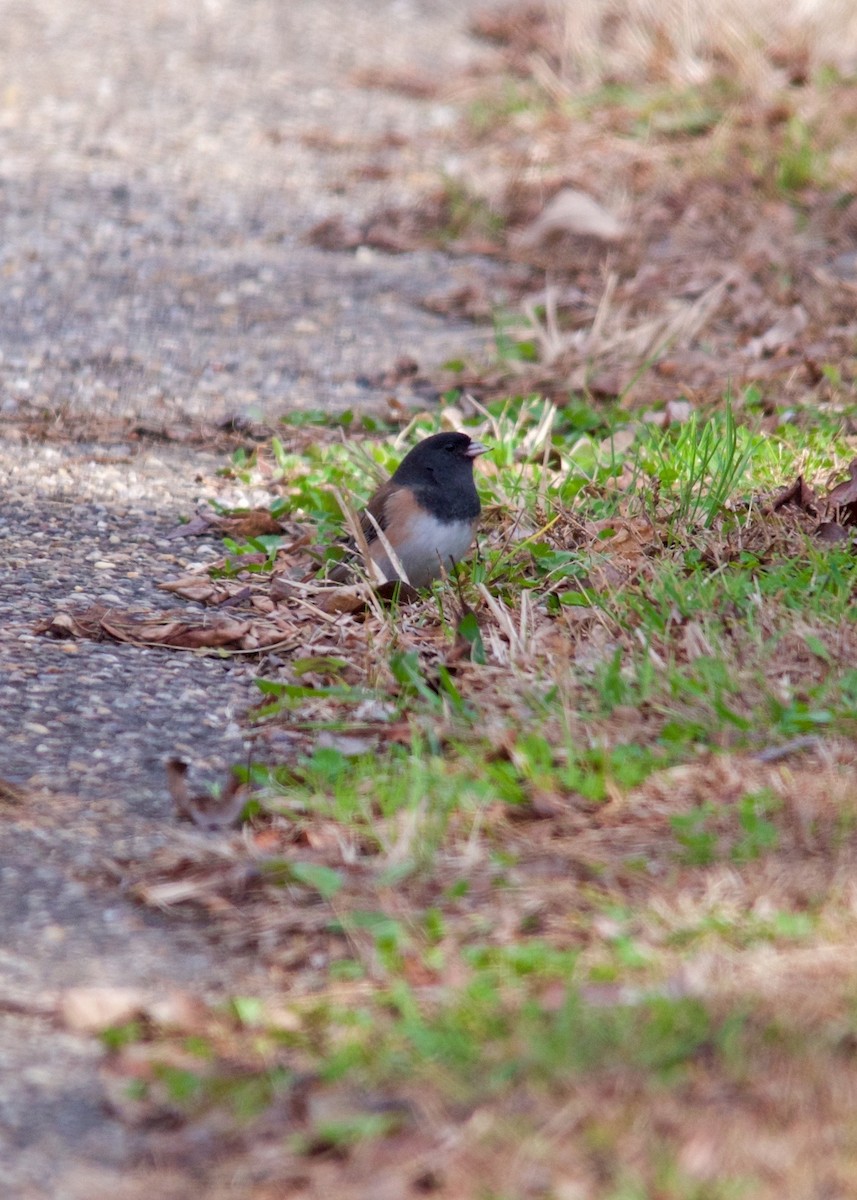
<point x="427" y="512"/>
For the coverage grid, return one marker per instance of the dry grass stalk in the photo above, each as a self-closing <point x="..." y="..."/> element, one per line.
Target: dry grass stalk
<point x="684" y="41"/>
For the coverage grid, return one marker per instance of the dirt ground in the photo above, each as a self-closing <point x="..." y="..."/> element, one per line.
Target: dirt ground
<point x="160" y="164"/>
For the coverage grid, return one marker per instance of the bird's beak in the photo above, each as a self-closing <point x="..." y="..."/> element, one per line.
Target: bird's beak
<point x="475" y="449"/>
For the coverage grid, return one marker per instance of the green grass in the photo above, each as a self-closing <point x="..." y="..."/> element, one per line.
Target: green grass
<point x="571" y="820"/>
<point x="712" y="567"/>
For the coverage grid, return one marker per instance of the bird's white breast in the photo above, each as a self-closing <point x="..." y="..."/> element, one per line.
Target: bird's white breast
<point x="428" y="544"/>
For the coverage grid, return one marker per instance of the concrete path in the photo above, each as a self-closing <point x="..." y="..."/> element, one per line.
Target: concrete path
<point x="160" y="164"/>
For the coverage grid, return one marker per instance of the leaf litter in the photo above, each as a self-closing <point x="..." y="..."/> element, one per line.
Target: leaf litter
<point x="735" y="191"/>
<point x="609" y="874"/>
<point x="276" y="873"/>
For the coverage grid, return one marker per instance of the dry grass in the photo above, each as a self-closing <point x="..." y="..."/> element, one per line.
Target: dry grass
<point x="569" y="898"/>
<point x="716" y="144"/>
<point x="688" y="41"/>
<point x="552" y="947"/>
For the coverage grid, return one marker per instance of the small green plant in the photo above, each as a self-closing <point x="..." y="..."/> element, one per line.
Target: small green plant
<point x="693" y="833"/>
<point x="701" y="466"/>
<point x="508" y="342"/>
<point x="758" y="833"/>
<point x="256" y="555"/>
<point x="128" y="1034"/>
<point x="798" y="164"/>
<point x="503" y="103"/>
<point x="349" y="1131"/>
<point x="324" y="880"/>
<point x="466" y="214"/>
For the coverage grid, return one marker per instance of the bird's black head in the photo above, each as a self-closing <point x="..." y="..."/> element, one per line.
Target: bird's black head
<point x="440" y="471"/>
<point x="440" y="456"/>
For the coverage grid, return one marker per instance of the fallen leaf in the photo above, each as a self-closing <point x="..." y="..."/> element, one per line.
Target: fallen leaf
<point x="176" y="1010"/>
<point x="198" y="526"/>
<point x="206" y="887"/>
<point x="334" y="233"/>
<point x="93" y="1009"/>
<point x="521" y="29"/>
<point x="394" y="590"/>
<point x="629" y="537"/>
<point x="203" y="590"/>
<point x="11" y="792"/>
<point x="351" y="598"/>
<point x="674" y="411"/>
<point x="575" y="213"/>
<point x="541" y="806"/>
<point x="799" y="494"/>
<point x="785" y="331"/>
<point x="406" y="82"/>
<point x="471" y="301"/>
<point x="348" y="745"/>
<point x="245" y="593"/>
<point x="845" y="494"/>
<point x="256" y="522"/>
<point x="178" y="631"/>
<point x="207" y="810"/>
<point x="60" y="625"/>
<point x="831" y="532"/>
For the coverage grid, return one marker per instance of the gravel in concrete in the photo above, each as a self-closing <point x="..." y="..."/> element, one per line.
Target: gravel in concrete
<point x="160" y="164"/>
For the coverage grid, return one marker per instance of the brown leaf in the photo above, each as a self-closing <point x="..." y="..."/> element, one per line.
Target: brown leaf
<point x="178" y="630"/>
<point x="608" y="383"/>
<point x="246" y="593"/>
<point x="396" y="590"/>
<point x="790" y="325"/>
<point x="182" y="634"/>
<point x="203" y="590"/>
<point x="845" y="494"/>
<point x="406" y="82"/>
<point x="674" y="411"/>
<point x="348" y="599"/>
<point x="85" y="623"/>
<point x="799" y="494"/>
<point x="204" y="886"/>
<point x="334" y="233"/>
<point x="93" y="1009"/>
<point x="472" y="301"/>
<point x="208" y="810"/>
<point x="573" y="213"/>
<point x="389" y="237"/>
<point x="281" y="588"/>
<point x="629" y="540"/>
<point x="541" y="806"/>
<point x="198" y="526"/>
<point x="98" y="621"/>
<point x="347" y="744"/>
<point x="11" y="793"/>
<point x="831" y="532"/>
<point x="256" y="522"/>
<point x="521" y="29"/>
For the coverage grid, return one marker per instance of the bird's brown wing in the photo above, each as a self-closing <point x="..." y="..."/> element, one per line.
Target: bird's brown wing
<point x="377" y="506"/>
<point x="394" y="509"/>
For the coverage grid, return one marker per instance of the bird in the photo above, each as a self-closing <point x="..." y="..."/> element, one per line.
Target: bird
<point x="427" y="512"/>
